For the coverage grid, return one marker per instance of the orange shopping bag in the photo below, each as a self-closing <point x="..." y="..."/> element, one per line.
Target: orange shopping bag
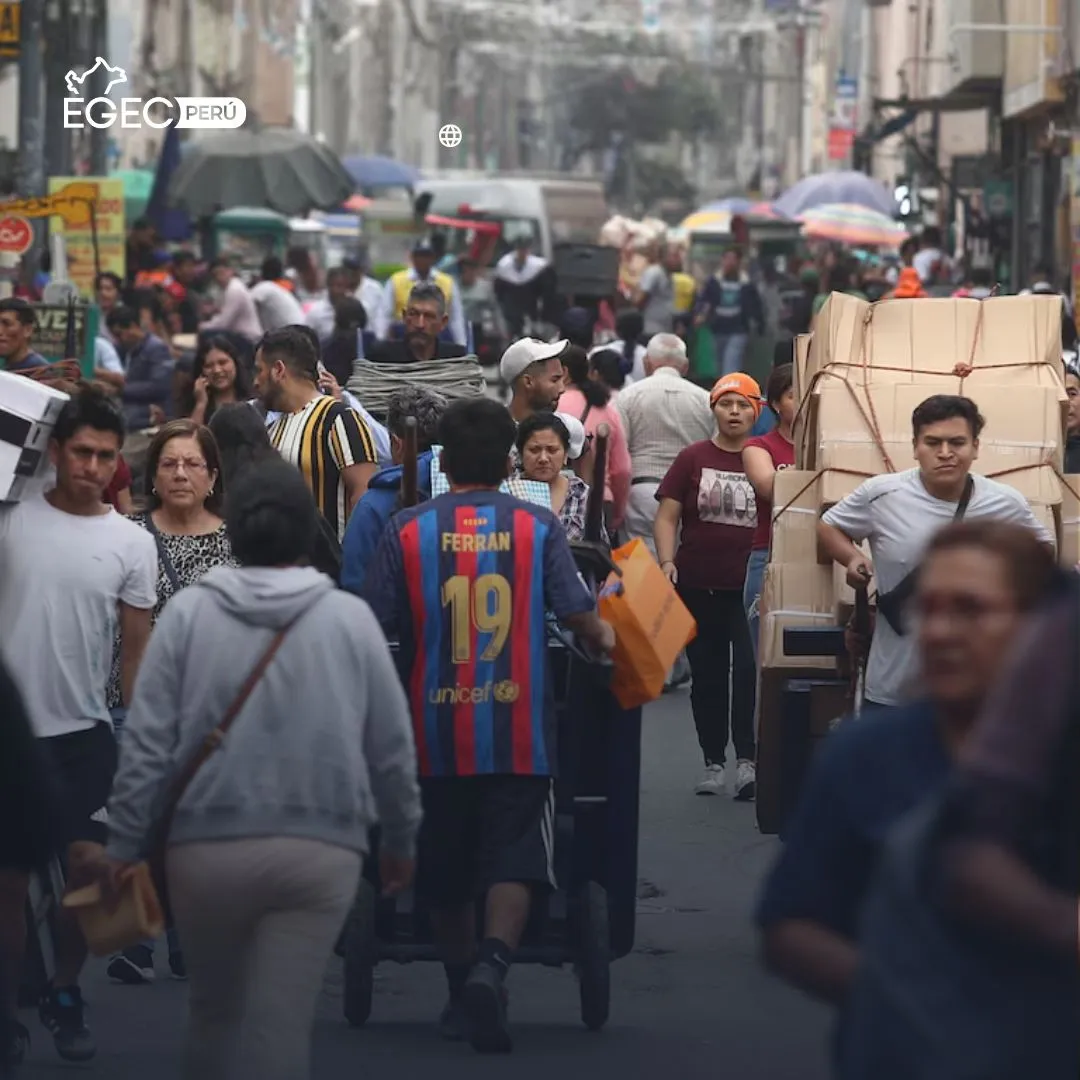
<point x="652" y="625"/>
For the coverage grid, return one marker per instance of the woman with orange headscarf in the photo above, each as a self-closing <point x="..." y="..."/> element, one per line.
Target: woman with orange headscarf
<point x="706" y="492"/>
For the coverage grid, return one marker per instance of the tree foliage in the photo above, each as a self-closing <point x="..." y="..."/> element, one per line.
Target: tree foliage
<point x="620" y="107"/>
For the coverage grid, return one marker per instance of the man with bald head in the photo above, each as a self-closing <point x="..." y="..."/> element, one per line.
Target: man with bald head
<point x="662" y="414"/>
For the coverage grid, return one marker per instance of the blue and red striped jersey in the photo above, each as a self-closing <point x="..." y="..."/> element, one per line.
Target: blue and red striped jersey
<point x="464" y="582"/>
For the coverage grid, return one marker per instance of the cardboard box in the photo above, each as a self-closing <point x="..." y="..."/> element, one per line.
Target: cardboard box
<point x="1007" y="341"/>
<point x="1068" y="522"/>
<point x="799" y="499"/>
<point x="802" y="359"/>
<point x="28" y="410"/>
<point x="795" y="594"/>
<point x="1022" y="444"/>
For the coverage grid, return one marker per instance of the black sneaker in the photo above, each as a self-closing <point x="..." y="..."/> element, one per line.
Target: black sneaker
<point x="133" y="967"/>
<point x="61" y="1011"/>
<point x="177" y="967"/>
<point x="14" y="1044"/>
<point x="485" y="1008"/>
<point x="453" y="1023"/>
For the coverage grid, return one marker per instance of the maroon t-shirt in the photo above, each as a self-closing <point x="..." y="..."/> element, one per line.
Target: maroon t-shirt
<point x="783" y="457"/>
<point x="121" y="481"/>
<point x="719" y="516"/>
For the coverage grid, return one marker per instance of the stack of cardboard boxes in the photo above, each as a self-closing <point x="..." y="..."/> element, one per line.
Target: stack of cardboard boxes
<point x="28" y="410"/>
<point x="859" y="376"/>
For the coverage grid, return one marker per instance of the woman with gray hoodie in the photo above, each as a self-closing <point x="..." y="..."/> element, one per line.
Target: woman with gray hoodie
<point x="265" y="846"/>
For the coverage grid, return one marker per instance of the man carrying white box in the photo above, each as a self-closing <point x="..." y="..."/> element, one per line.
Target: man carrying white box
<point x="898" y="513"/>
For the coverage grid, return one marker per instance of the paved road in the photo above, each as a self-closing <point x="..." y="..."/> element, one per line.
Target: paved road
<point x="690" y="1001"/>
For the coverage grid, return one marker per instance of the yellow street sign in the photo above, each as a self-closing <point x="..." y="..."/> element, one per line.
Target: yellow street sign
<point x="9" y="29"/>
<point x="74" y="203"/>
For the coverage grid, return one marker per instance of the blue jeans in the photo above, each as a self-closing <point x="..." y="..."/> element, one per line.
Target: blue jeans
<point x="755" y="580"/>
<point x="730" y="351"/>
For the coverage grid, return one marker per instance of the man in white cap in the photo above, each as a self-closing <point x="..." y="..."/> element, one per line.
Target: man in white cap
<point x="533" y="371"/>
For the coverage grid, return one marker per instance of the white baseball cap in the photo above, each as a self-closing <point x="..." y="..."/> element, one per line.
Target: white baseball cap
<point x="524" y="353"/>
<point x="576" y="430"/>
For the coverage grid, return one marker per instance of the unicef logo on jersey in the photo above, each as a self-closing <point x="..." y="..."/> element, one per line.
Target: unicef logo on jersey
<point x="726" y="498"/>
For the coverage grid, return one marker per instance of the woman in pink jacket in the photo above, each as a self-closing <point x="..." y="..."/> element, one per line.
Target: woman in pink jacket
<point x="590" y="401"/>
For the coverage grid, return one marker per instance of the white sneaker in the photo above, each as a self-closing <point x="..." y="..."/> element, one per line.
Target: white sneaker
<point x="712" y="781"/>
<point x="745" y="781"/>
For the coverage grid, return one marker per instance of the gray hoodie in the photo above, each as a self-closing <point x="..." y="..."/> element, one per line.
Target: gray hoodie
<point x="322" y="749"/>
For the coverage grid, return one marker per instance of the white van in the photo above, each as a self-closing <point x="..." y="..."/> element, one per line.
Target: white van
<point x="551" y="211"/>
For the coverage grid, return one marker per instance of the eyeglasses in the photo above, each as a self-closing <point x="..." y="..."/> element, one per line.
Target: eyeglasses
<point x="189" y="465"/>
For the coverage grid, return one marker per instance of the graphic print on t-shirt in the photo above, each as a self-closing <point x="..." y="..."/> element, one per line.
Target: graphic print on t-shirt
<point x="726" y="498"/>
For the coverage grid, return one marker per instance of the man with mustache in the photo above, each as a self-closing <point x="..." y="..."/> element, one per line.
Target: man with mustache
<point x="425" y="318"/>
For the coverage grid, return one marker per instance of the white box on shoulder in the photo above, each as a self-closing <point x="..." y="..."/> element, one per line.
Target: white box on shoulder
<point x="28" y="411"/>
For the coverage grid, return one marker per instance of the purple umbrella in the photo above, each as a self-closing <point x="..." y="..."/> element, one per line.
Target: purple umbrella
<point x="836" y="187"/>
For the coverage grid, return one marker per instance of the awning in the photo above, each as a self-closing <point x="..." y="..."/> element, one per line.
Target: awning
<point x="493" y="228"/>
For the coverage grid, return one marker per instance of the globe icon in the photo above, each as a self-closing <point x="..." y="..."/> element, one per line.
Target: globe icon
<point x="450" y="136"/>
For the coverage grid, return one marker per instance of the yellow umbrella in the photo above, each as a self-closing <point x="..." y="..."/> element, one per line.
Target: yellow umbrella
<point x="720" y="220"/>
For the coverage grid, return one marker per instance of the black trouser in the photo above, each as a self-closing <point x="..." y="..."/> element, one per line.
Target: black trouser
<point x="722" y="633"/>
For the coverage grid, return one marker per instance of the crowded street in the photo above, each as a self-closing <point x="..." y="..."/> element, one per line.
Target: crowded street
<point x="539" y="537"/>
<point x="691" y="998"/>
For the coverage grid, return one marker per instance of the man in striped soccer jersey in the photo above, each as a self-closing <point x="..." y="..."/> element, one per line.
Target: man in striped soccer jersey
<point x="464" y="582"/>
<point x="326" y="440"/>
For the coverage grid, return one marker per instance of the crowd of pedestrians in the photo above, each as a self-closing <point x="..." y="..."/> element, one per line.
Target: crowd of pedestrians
<point x="209" y="618"/>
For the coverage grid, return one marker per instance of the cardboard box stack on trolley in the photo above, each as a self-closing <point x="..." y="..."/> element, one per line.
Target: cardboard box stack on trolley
<point x="859" y="375"/>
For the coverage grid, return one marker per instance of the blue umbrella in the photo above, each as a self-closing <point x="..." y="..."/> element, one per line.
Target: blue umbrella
<point x="824" y="189"/>
<point x="380" y="172"/>
<point x="171" y="223"/>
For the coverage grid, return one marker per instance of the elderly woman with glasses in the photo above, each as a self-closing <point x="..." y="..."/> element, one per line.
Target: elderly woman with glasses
<point x="185" y="495"/>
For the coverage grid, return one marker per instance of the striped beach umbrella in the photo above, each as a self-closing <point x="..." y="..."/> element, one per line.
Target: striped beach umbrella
<point x="853" y="225"/>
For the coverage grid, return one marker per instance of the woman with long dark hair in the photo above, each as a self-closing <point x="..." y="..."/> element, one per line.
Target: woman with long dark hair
<point x="243" y="441"/>
<point x="629" y="327"/>
<point x="587" y="399"/>
<point x="219" y="377"/>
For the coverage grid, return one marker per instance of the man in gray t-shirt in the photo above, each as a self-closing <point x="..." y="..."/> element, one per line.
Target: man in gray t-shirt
<point x="656" y="294"/>
<point x="898" y="513"/>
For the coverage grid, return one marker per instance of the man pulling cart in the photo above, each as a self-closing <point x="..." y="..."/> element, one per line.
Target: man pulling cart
<point x="464" y="583"/>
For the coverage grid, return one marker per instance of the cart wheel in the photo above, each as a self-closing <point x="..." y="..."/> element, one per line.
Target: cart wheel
<point x="360" y="956"/>
<point x="594" y="957"/>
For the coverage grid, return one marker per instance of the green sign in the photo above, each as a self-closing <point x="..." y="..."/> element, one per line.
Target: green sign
<point x="51" y="331"/>
<point x="998" y="198"/>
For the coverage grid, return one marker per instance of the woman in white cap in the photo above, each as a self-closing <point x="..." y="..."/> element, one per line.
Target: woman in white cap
<point x="546" y="443"/>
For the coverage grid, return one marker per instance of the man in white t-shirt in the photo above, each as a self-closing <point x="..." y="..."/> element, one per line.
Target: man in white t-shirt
<point x="898" y="513"/>
<point x="72" y="568"/>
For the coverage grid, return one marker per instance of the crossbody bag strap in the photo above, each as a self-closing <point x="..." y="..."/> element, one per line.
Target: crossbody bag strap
<point x="214" y="739"/>
<point x="163" y="554"/>
<point x="965" y="499"/>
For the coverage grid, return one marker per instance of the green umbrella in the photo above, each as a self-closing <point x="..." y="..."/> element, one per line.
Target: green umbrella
<point x="275" y="168"/>
<point x="138" y="184"/>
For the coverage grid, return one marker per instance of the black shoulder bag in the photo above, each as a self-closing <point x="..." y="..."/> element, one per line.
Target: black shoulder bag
<point x="891" y="605"/>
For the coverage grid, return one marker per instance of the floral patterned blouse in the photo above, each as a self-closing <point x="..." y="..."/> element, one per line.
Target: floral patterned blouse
<point x="192" y="557"/>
